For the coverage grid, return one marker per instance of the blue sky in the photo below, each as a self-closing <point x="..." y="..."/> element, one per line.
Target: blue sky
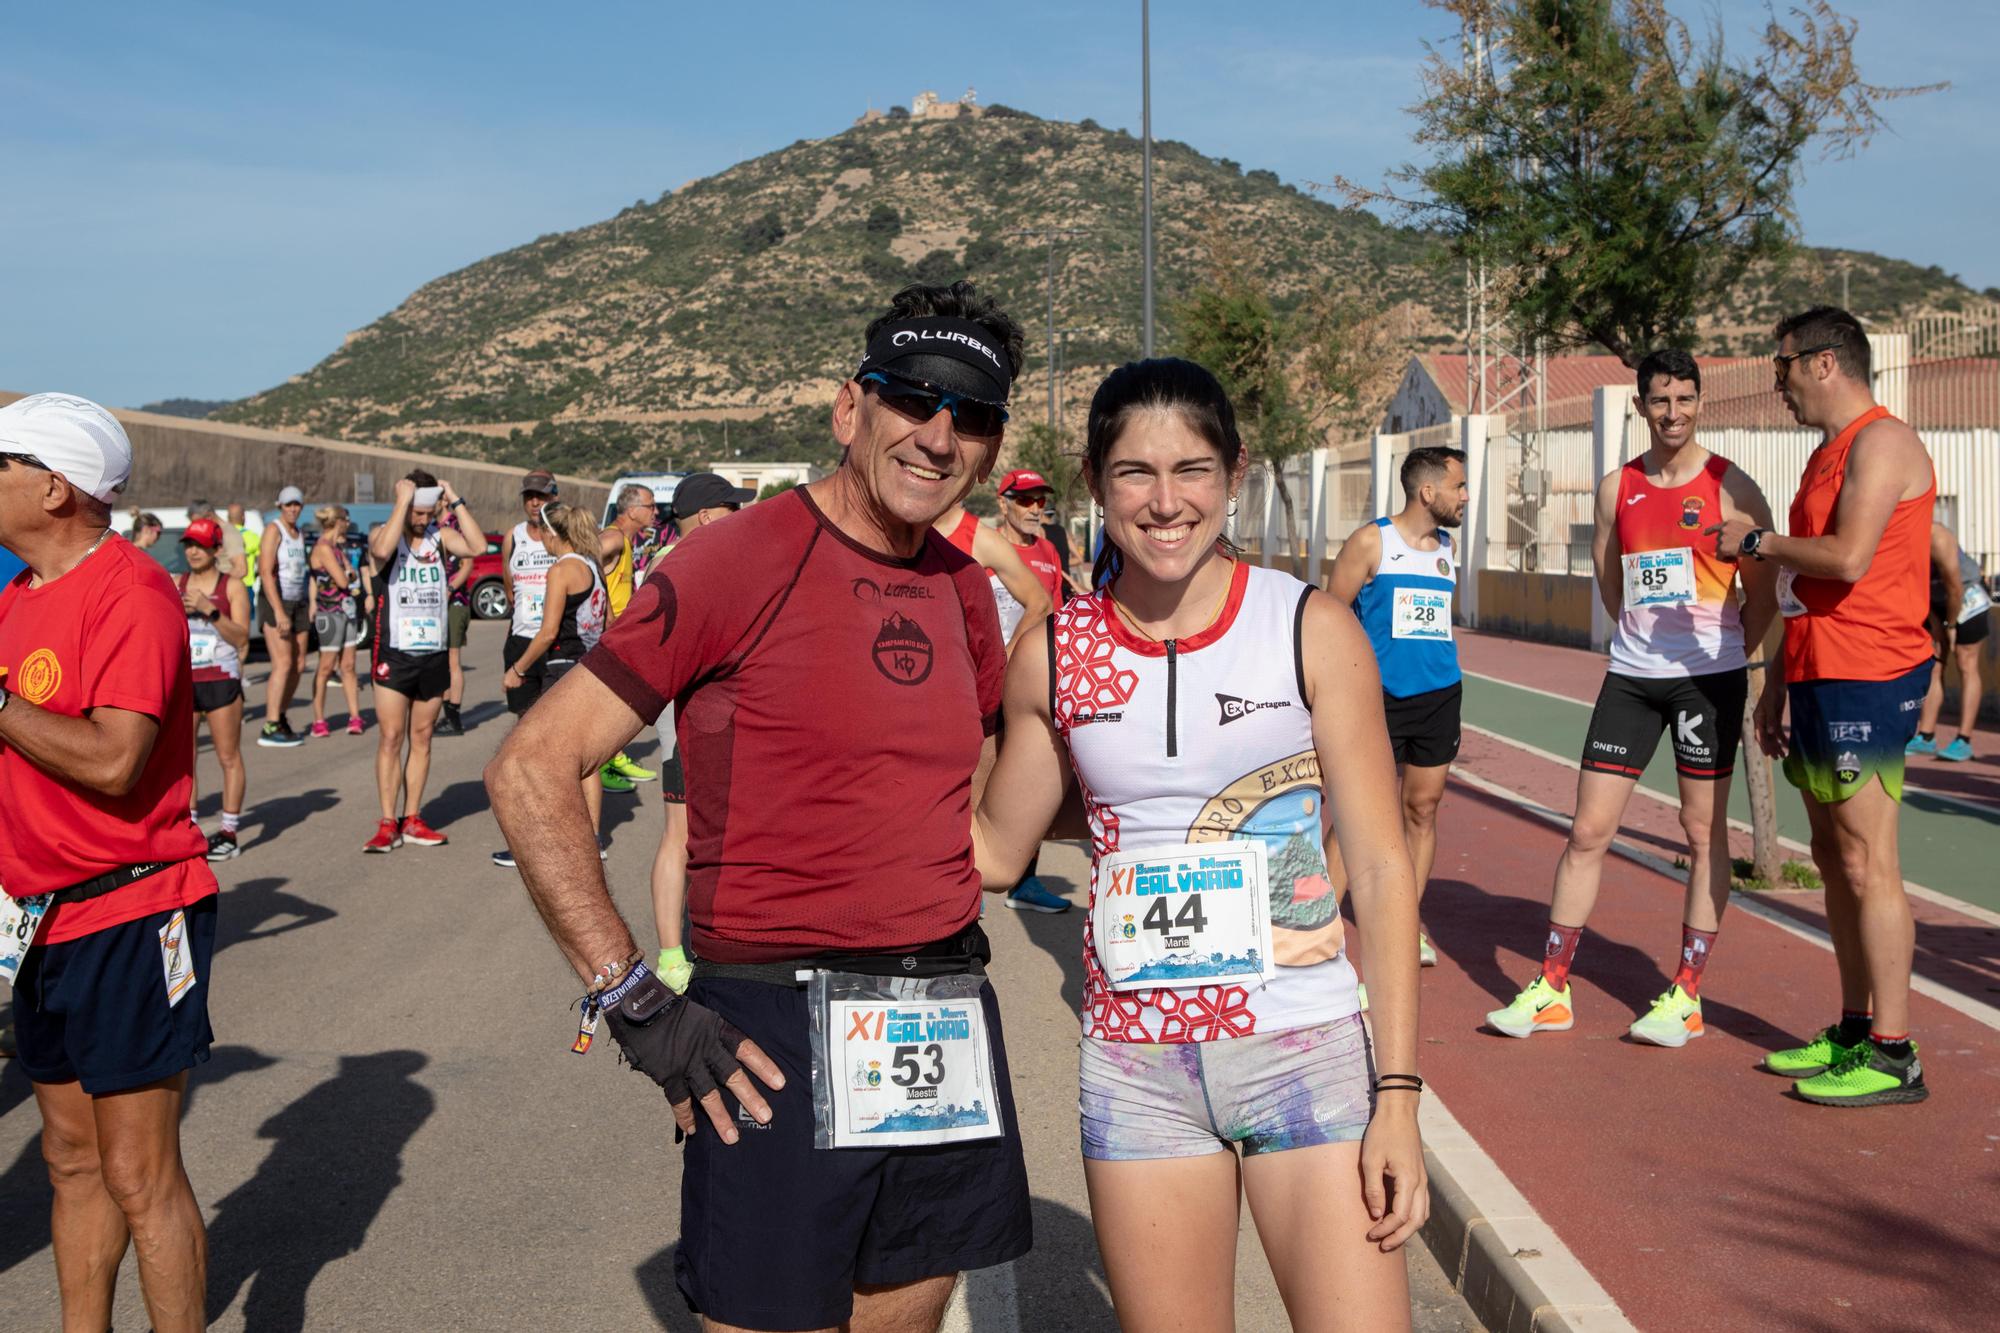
<point x="200" y="199"/>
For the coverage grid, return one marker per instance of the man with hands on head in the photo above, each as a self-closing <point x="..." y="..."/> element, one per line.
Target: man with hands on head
<point x="837" y="669"/>
<point x="411" y="667"/>
<point x="1853" y="587"/>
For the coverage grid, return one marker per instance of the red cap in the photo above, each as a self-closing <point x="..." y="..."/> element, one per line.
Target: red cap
<point x="204" y="532"/>
<point x="1024" y="479"/>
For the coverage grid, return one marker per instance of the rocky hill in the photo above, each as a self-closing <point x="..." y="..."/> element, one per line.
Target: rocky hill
<point x="720" y="318"/>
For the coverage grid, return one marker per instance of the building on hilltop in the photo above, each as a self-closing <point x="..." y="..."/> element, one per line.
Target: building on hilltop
<point x="926" y="105"/>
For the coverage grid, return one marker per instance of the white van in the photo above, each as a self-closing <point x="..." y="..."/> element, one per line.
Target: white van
<point x="661" y="484"/>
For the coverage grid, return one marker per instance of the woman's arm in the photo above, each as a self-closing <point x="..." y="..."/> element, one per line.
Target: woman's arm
<point x="234" y="622"/>
<point x="1026" y="786"/>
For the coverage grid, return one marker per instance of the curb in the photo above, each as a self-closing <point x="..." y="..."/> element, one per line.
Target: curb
<point x="1506" y="1262"/>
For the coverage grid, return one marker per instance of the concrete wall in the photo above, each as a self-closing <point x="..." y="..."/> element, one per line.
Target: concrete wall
<point x="175" y="459"/>
<point x="1551" y="608"/>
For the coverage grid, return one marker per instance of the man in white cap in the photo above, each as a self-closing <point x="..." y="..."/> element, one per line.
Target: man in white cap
<point x="282" y="588"/>
<point x="109" y="905"/>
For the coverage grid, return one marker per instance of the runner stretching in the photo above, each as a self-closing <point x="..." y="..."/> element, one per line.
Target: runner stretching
<point x="838" y="670"/>
<point x="1678" y="662"/>
<point x="1206" y="707"/>
<point x="411" y="673"/>
<point x="1399" y="574"/>
<point x="1958" y="625"/>
<point x="1852" y="585"/>
<point x="218" y="616"/>
<point x="282" y="586"/>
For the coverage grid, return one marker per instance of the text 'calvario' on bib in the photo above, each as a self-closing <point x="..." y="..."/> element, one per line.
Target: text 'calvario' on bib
<point x="1659" y="578"/>
<point x="900" y="1061"/>
<point x="1193" y="915"/>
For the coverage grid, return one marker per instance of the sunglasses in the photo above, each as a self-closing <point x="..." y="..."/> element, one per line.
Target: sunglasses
<point x="920" y="402"/>
<point x="1783" y="360"/>
<point x="27" y="460"/>
<point x="1032" y="500"/>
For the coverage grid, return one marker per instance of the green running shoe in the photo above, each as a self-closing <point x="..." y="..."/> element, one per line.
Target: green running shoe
<point x="1817" y="1056"/>
<point x="622" y="764"/>
<point x="613" y="780"/>
<point x="1867" y="1077"/>
<point x="1539" y="1008"/>
<point x="1674" y="1020"/>
<point x="1427" y="955"/>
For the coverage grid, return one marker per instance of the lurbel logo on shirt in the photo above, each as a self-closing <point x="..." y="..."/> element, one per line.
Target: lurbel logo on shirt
<point x="1234" y="708"/>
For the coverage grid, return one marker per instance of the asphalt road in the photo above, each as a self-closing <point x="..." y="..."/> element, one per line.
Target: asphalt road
<point x="392" y="1132"/>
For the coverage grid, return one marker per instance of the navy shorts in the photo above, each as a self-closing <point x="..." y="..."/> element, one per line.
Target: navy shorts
<point x="775" y="1233"/>
<point x="95" y="1009"/>
<point x="1847" y="732"/>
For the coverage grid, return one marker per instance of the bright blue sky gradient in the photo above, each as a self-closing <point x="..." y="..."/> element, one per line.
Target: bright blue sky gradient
<point x="200" y="199"/>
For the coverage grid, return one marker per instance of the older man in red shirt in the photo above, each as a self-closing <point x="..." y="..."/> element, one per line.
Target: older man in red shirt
<point x="109" y="907"/>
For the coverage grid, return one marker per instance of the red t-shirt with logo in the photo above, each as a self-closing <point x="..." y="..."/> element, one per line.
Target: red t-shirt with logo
<point x="111" y="633"/>
<point x="1043" y="563"/>
<point x="831" y="702"/>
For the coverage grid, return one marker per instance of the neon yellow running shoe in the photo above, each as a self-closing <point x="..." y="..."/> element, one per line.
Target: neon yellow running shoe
<point x="1674" y="1020"/>
<point x="622" y="764"/>
<point x="613" y="780"/>
<point x="1540" y="1008"/>
<point x="1817" y="1056"/>
<point x="1427" y="954"/>
<point x="1867" y="1077"/>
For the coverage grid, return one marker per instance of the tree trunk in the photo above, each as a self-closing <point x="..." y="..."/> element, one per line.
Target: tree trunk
<point x="1291" y="519"/>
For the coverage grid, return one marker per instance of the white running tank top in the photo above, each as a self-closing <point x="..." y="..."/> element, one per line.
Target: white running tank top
<point x="1208" y="740"/>
<point x="291" y="564"/>
<point x="1011" y="611"/>
<point x="417" y="595"/>
<point x="583" y="625"/>
<point x="529" y="565"/>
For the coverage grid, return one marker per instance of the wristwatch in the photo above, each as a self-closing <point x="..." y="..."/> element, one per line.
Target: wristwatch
<point x="1751" y="541"/>
<point x="4" y="697"/>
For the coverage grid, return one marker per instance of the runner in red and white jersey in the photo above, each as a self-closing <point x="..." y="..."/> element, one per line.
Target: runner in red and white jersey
<point x="1677" y="668"/>
<point x="1017" y="593"/>
<point x="1222" y="722"/>
<point x="836" y="670"/>
<point x="218" y="618"/>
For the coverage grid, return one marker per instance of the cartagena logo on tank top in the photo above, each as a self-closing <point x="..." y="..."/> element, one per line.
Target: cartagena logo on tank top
<point x="1691" y="512"/>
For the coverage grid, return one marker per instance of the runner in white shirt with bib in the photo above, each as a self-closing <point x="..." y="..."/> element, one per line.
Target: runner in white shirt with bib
<point x="525" y="559"/>
<point x="1198" y="701"/>
<point x="411" y="668"/>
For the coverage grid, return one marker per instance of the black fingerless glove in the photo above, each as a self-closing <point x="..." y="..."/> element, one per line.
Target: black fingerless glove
<point x="686" y="1048"/>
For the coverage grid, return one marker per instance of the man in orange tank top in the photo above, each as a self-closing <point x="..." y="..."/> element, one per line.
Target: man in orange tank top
<point x="1678" y="656"/>
<point x="1854" y="587"/>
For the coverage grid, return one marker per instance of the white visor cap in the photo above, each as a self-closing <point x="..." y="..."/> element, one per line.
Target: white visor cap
<point x="73" y="437"/>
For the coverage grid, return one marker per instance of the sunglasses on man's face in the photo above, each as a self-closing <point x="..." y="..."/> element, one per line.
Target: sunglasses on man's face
<point x="1782" y="362"/>
<point x="920" y="402"/>
<point x="26" y="460"/>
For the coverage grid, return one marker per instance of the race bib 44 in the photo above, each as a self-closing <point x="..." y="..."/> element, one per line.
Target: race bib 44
<point x="1192" y="915"/>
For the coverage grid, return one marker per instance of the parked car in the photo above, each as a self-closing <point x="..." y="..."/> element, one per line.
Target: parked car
<point x="489" y="588"/>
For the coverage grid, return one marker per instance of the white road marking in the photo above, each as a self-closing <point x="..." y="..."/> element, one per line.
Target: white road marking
<point x="1976" y="1010"/>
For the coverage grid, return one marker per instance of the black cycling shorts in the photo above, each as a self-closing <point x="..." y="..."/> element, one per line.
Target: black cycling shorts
<point x="1969" y="631"/>
<point x="1424" y="728"/>
<point x="1703" y="713"/>
<point x="776" y="1233"/>
<point x="417" y="676"/>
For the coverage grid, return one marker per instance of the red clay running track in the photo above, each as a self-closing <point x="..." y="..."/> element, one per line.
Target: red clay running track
<point x="1688" y="1182"/>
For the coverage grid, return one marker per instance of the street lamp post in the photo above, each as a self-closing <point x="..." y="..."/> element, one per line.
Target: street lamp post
<point x="1051" y="233"/>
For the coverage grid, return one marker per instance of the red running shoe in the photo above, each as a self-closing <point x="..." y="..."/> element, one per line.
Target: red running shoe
<point x="386" y="838"/>
<point x="417" y="831"/>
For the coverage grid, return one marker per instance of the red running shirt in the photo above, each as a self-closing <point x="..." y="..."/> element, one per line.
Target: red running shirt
<point x="111" y="633"/>
<point x="830" y="704"/>
<point x="1872" y="629"/>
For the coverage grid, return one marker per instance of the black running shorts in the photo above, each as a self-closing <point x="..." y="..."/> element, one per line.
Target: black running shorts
<point x="1424" y="728"/>
<point x="210" y="695"/>
<point x="533" y="680"/>
<point x="417" y="676"/>
<point x="1704" y="714"/>
<point x="1969" y="631"/>
<point x="776" y="1233"/>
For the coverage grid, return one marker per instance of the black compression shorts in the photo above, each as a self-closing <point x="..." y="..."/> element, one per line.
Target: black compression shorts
<point x="1703" y="713"/>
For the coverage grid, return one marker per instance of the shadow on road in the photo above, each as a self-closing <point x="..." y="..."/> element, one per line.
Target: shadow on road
<point x="25" y="1194"/>
<point x="1058" y="1284"/>
<point x="456" y="802"/>
<point x="1060" y="935"/>
<point x="247" y="907"/>
<point x="336" y="1159"/>
<point x="274" y="817"/>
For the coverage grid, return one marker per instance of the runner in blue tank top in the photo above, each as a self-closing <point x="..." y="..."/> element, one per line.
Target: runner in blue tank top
<point x="1400" y="575"/>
